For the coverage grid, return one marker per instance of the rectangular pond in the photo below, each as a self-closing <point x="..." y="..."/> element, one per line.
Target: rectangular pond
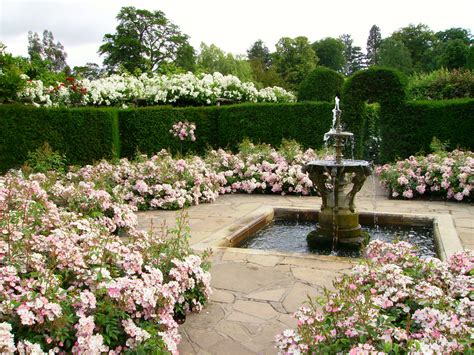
<point x="290" y="236"/>
<point x="435" y="234"/>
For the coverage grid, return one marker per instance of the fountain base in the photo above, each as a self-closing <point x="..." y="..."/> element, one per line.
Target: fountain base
<point x="343" y="226"/>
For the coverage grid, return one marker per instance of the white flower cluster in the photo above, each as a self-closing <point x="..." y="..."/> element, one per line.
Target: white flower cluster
<point x="125" y="90"/>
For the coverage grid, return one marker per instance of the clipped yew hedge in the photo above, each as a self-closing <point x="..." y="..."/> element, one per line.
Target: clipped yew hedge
<point x="322" y="84"/>
<point x="146" y="130"/>
<point x="86" y="135"/>
<point x="406" y="127"/>
<point x="82" y="134"/>
<point x="409" y="128"/>
<point x="270" y="123"/>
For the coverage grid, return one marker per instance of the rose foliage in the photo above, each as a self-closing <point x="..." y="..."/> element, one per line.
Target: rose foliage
<point x="128" y="90"/>
<point x="447" y="175"/>
<point x="164" y="182"/>
<point x="76" y="275"/>
<point x="394" y="302"/>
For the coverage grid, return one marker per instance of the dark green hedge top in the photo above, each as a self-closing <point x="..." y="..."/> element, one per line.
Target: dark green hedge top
<point x="322" y="84"/>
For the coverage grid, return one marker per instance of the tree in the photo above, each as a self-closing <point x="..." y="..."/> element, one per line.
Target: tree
<point x="373" y="45"/>
<point x="213" y="59"/>
<point x="260" y="60"/>
<point x="455" y="33"/>
<point x="470" y="59"/>
<point x="394" y="54"/>
<point x="186" y="58"/>
<point x="90" y="71"/>
<point x="453" y="54"/>
<point x="294" y="58"/>
<point x="47" y="50"/>
<point x="11" y="69"/>
<point x="419" y="42"/>
<point x="330" y="52"/>
<point x="143" y="40"/>
<point x="260" y="52"/>
<point x="353" y="56"/>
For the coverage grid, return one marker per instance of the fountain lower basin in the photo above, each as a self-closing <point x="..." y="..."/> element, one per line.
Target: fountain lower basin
<point x="445" y="237"/>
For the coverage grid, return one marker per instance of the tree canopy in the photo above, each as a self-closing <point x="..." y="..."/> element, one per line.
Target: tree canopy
<point x="294" y="59"/>
<point x="394" y="54"/>
<point x="47" y="50"/>
<point x="213" y="59"/>
<point x="330" y="52"/>
<point x="373" y="45"/>
<point x="143" y="40"/>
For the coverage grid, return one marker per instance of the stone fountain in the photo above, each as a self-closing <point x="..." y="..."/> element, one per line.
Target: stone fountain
<point x="338" y="181"/>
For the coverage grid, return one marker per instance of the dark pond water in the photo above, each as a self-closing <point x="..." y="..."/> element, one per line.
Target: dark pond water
<point x="290" y="236"/>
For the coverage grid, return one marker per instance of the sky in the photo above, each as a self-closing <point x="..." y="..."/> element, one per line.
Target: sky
<point x="231" y="25"/>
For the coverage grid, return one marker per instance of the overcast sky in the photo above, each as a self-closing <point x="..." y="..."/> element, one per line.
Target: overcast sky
<point x="231" y="25"/>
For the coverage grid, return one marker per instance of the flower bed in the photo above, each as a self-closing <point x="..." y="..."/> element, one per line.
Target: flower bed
<point x="445" y="175"/>
<point x="126" y="90"/>
<point x="77" y="276"/>
<point x="394" y="302"/>
<point x="163" y="182"/>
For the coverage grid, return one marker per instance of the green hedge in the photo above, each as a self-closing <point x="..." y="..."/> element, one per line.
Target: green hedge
<point x="382" y="85"/>
<point x="410" y="127"/>
<point x="146" y="130"/>
<point x="83" y="134"/>
<point x="322" y="84"/>
<point x="270" y="123"/>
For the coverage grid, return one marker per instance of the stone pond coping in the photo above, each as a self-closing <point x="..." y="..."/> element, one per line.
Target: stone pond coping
<point x="446" y="238"/>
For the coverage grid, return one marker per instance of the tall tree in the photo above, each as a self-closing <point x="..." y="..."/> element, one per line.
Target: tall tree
<point x="452" y="54"/>
<point x="260" y="52"/>
<point x="373" y="45"/>
<point x="143" y="40"/>
<point x="455" y="33"/>
<point x="394" y="54"/>
<point x="260" y="60"/>
<point x="186" y="58"/>
<point x="89" y="71"/>
<point x="213" y="59"/>
<point x="353" y="56"/>
<point x="294" y="59"/>
<point x="330" y="52"/>
<point x="47" y="50"/>
<point x="419" y="42"/>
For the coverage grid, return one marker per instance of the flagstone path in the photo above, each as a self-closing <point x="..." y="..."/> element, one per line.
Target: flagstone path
<point x="256" y="292"/>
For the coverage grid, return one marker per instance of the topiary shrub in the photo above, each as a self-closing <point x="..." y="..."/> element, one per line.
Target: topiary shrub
<point x="322" y="84"/>
<point x="376" y="84"/>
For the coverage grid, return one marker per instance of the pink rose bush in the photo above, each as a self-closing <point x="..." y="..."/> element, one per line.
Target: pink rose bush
<point x="447" y="175"/>
<point x="392" y="302"/>
<point x="262" y="169"/>
<point x="164" y="182"/>
<point x="184" y="131"/>
<point x="77" y="276"/>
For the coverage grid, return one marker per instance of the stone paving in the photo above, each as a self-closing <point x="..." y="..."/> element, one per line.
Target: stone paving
<point x="255" y="292"/>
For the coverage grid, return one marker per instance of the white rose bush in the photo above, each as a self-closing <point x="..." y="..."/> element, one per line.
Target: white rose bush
<point x="128" y="90"/>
